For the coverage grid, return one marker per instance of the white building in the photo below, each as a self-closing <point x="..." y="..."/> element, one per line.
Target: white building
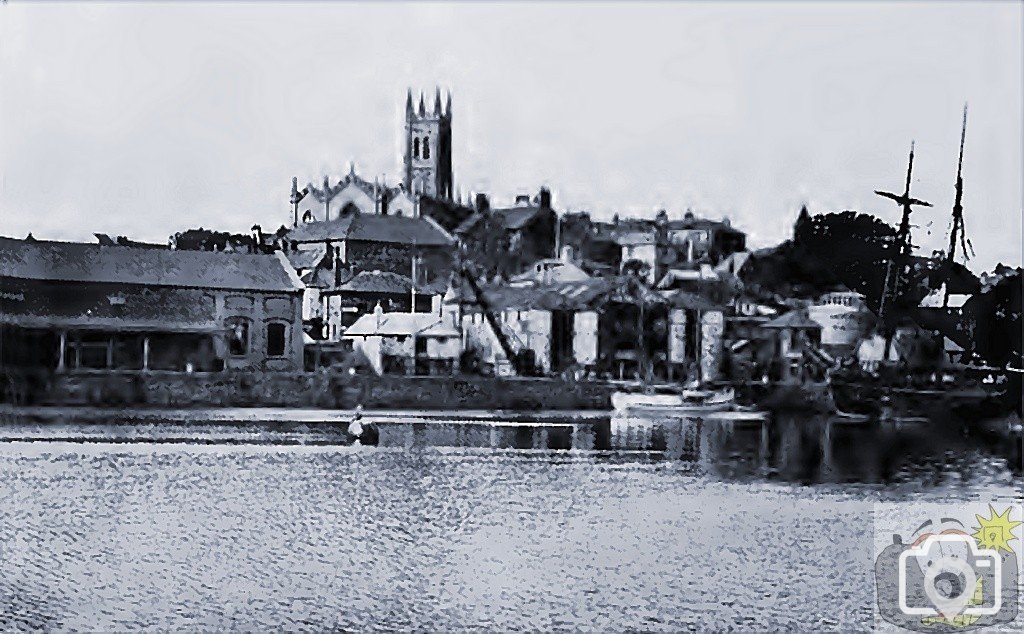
<point x="407" y="343"/>
<point x="844" y="318"/>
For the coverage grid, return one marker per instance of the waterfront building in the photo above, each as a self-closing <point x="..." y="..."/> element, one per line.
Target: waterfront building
<point x="407" y="343"/>
<point x="343" y="305"/>
<point x="844" y="319"/>
<point x="350" y="263"/>
<point x="613" y="327"/>
<point x="795" y="347"/>
<point x="78" y="307"/>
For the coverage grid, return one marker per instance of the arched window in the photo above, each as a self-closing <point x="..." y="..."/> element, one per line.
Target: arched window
<point x="416" y="147"/>
<point x="237" y="336"/>
<point x="426" y="147"/>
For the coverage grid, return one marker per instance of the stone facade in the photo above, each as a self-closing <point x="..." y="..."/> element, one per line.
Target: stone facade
<point x="428" y="149"/>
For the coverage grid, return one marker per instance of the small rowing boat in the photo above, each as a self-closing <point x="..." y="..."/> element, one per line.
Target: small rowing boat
<point x="679" y="400"/>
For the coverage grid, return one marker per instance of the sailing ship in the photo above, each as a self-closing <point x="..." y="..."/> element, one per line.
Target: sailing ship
<point x="885" y="388"/>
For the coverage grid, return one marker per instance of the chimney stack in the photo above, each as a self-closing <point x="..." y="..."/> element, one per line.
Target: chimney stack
<point x="544" y="198"/>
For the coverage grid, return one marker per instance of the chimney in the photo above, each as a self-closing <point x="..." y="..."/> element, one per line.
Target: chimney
<point x="377" y="312"/>
<point x="482" y="204"/>
<point x="257" y="239"/>
<point x="544" y="198"/>
<point x="435" y="304"/>
<point x="567" y="254"/>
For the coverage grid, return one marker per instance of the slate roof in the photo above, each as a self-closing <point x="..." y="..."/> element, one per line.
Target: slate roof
<point x="517" y="217"/>
<point x="321" y="231"/>
<point x="634" y="237"/>
<point x="377" y="282"/>
<point x="77" y="262"/>
<point x="307" y="258"/>
<point x="511" y="218"/>
<point x="421" y="231"/>
<point x="578" y="295"/>
<point x="395" y="324"/>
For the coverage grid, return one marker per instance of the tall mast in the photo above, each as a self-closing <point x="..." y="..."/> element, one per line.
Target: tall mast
<point x="898" y="263"/>
<point x="958" y="215"/>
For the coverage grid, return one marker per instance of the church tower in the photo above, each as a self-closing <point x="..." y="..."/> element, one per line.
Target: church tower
<point x="428" y="148"/>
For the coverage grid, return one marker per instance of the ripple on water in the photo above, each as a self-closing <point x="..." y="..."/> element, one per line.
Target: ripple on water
<point x="113" y="538"/>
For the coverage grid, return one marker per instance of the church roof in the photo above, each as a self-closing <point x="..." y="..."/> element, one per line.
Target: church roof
<point x="374" y="228"/>
<point x="324" y="194"/>
<point x="77" y="262"/>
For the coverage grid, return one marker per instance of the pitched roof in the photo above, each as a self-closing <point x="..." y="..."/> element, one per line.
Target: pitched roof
<point x="795" y="319"/>
<point x="702" y="223"/>
<point x="307" y="258"/>
<point x="395" y="324"/>
<point x="634" y="237"/>
<point x="76" y="262"/>
<point x="320" y="231"/>
<point x="690" y="301"/>
<point x="517" y="217"/>
<point x="552" y="270"/>
<point x="377" y="282"/>
<point x="422" y="231"/>
<point x="576" y="295"/>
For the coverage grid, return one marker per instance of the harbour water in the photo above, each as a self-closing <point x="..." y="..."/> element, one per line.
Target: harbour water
<point x="622" y="525"/>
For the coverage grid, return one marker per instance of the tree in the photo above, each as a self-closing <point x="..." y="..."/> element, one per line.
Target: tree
<point x="208" y="240"/>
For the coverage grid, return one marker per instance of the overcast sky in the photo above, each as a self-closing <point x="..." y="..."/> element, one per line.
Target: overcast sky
<point x="142" y="120"/>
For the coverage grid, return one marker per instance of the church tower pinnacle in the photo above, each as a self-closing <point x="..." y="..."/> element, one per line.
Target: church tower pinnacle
<point x="428" y="148"/>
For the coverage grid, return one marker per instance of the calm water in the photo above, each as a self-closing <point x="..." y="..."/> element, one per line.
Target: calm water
<point x="451" y="527"/>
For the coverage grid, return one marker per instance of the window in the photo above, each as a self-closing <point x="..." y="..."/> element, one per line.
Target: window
<point x="238" y="336"/>
<point x="416" y="147"/>
<point x="426" y="147"/>
<point x="275" y="339"/>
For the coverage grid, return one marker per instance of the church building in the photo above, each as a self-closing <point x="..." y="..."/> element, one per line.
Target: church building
<point x="354" y="239"/>
<point x="426" y="172"/>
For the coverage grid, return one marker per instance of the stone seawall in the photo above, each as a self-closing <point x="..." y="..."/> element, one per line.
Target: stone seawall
<point x="283" y="389"/>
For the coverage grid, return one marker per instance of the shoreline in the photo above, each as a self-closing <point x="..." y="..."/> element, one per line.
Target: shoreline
<point x="47" y="414"/>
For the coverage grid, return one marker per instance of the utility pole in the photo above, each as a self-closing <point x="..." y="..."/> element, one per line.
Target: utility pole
<point x="412" y="289"/>
<point x="958" y="215"/>
<point x="898" y="263"/>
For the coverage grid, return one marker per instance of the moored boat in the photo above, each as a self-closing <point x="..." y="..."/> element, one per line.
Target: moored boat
<point x="675" y="400"/>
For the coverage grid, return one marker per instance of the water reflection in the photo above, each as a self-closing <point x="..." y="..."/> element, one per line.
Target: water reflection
<point x="817" y="448"/>
<point x="799" y="447"/>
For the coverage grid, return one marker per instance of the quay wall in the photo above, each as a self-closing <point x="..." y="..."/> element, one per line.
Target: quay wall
<point x="312" y="389"/>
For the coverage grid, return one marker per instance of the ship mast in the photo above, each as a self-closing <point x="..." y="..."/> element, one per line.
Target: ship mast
<point x="958" y="216"/>
<point x="898" y="263"/>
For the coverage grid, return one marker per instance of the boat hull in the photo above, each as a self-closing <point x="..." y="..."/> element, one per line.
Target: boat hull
<point x="683" y="402"/>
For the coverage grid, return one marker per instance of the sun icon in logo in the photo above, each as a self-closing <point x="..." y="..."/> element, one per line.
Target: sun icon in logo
<point x="996" y="532"/>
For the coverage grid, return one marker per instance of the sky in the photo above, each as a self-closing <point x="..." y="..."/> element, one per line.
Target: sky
<point x="145" y="119"/>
